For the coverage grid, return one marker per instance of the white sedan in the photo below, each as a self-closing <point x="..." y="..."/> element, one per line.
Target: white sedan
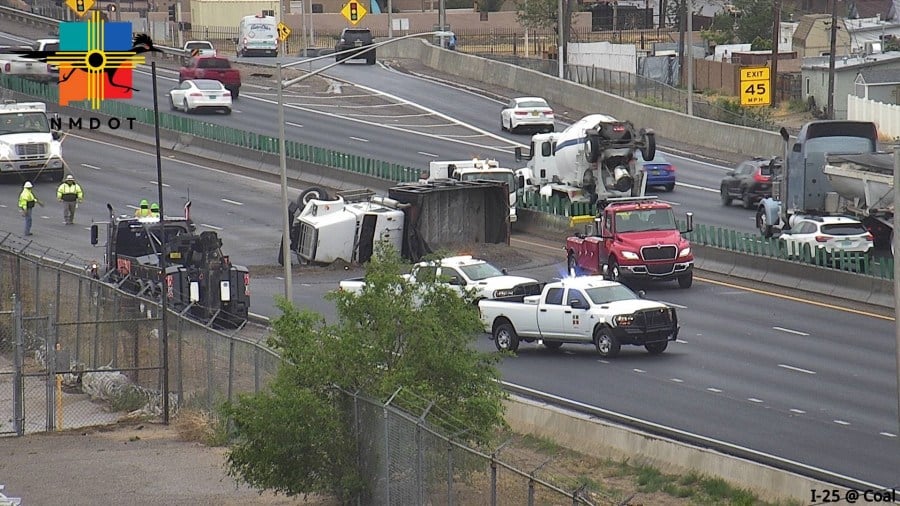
<point x="527" y="112"/>
<point x="834" y="234"/>
<point x="197" y="94"/>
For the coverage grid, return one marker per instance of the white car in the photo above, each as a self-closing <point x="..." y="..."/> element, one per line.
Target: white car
<point x="527" y="112"/>
<point x="196" y="94"/>
<point x="199" y="48"/>
<point x="831" y="233"/>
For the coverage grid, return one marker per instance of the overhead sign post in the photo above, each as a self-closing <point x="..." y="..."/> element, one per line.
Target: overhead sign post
<point x="755" y="86"/>
<point x="354" y="12"/>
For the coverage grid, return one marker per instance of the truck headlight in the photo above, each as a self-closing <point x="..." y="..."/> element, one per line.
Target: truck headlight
<point x="4" y="151"/>
<point x="56" y="149"/>
<point x="624" y="320"/>
<point x="630" y="255"/>
<point x="684" y="252"/>
<point x="507" y="292"/>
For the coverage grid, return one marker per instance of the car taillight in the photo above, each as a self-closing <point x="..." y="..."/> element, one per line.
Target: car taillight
<point x="670" y="168"/>
<point x="196" y="94"/>
<point x="618" y="127"/>
<point x="760" y="178"/>
<point x="821" y="238"/>
<point x="247" y="284"/>
<point x="521" y="113"/>
<point x="548" y="113"/>
<point x="226" y="94"/>
<point x="6" y="68"/>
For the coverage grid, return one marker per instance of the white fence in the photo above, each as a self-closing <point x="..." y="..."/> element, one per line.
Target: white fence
<point x="886" y="116"/>
<point x="604" y="55"/>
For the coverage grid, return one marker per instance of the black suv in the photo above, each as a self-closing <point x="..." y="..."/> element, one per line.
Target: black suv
<point x="750" y="181"/>
<point x="355" y="37"/>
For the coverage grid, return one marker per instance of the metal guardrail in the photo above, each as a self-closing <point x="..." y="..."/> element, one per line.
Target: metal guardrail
<point x="696" y="440"/>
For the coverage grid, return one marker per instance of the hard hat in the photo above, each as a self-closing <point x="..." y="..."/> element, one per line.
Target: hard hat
<point x="144" y="203"/>
<point x="28" y="184"/>
<point x="154" y="207"/>
<point x="70" y="177"/>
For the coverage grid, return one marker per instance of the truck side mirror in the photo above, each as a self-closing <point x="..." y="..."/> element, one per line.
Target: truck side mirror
<point x="95" y="234"/>
<point x="797" y="147"/>
<point x="56" y="134"/>
<point x="454" y="281"/>
<point x="518" y="154"/>
<point x="690" y="222"/>
<point x="641" y="294"/>
<point x="504" y="271"/>
<point x="577" y="304"/>
<point x="521" y="181"/>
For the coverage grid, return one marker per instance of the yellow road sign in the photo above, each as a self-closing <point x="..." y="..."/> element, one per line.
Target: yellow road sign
<point x="283" y="32"/>
<point x="80" y="7"/>
<point x="755" y="86"/>
<point x="354" y="12"/>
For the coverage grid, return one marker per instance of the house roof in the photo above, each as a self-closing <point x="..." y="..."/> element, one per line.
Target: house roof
<point x="872" y="8"/>
<point x="806" y="24"/>
<point x="879" y="76"/>
<point x="844" y="63"/>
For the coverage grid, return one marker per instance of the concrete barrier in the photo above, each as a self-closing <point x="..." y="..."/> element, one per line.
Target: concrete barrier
<point x="667" y="124"/>
<point x="587" y="434"/>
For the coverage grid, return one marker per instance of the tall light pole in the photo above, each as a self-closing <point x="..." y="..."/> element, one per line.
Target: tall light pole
<point x="164" y="333"/>
<point x="559" y="41"/>
<point x="895" y="238"/>
<point x="690" y="58"/>
<point x="829" y="110"/>
<point x="776" y="38"/>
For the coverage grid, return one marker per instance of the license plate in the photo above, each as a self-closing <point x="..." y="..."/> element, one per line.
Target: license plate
<point x="212" y="96"/>
<point x="654" y="172"/>
<point x="535" y="113"/>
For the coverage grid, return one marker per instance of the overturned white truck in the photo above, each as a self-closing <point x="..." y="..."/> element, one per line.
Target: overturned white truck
<point x="416" y="219"/>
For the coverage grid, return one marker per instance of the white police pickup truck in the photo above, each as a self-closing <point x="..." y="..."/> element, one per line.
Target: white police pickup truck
<point x="581" y="310"/>
<point x="470" y="276"/>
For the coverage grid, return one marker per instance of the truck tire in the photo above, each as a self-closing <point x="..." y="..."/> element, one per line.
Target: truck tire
<point x="723" y="194"/>
<point x="648" y="138"/>
<point x="505" y="337"/>
<point x="656" y="348"/>
<point x="607" y="344"/>
<point x="313" y="193"/>
<point x="746" y="199"/>
<point x="762" y="225"/>
<point x="571" y="265"/>
<point x="592" y="145"/>
<point x="612" y="271"/>
<point x="686" y="280"/>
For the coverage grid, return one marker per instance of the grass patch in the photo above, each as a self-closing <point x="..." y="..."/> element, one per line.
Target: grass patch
<point x="201" y="427"/>
<point x="129" y="399"/>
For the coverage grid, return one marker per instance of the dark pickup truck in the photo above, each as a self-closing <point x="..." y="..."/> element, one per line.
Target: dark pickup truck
<point x="215" y="68"/>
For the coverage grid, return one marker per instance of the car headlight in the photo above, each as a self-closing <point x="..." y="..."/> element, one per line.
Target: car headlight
<point x="684" y="252"/>
<point x="630" y="255"/>
<point x="624" y="320"/>
<point x="4" y="151"/>
<point x="507" y="292"/>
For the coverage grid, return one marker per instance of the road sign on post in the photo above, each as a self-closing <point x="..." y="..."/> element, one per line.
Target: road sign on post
<point x="283" y="32"/>
<point x="354" y="12"/>
<point x="755" y="86"/>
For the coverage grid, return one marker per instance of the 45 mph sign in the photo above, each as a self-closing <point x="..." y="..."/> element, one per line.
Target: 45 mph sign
<point x="755" y="84"/>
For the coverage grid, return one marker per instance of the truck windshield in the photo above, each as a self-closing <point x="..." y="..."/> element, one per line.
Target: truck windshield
<point x="23" y="122"/>
<point x="136" y="240"/>
<point x="506" y="177"/>
<point x="645" y="220"/>
<point x="477" y="272"/>
<point x="607" y="294"/>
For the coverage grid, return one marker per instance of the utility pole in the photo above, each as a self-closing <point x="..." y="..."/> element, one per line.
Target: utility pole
<point x="895" y="246"/>
<point x="690" y="58"/>
<point x="559" y="35"/>
<point x="680" y="11"/>
<point x="776" y="37"/>
<point x="829" y="110"/>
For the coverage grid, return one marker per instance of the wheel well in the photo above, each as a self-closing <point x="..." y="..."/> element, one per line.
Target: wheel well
<point x="499" y="321"/>
<point x="598" y="327"/>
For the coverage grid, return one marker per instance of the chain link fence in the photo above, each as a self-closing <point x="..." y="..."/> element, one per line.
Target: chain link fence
<point x="76" y="352"/>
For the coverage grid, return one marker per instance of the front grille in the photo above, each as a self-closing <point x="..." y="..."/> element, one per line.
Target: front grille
<point x="658" y="252"/>
<point x="307" y="244"/>
<point x="31" y="149"/>
<point x="660" y="269"/>
<point x="655" y="319"/>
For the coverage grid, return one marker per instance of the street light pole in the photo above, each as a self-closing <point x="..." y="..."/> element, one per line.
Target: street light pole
<point x="285" y="215"/>
<point x="164" y="294"/>
<point x="895" y="238"/>
<point x="690" y="58"/>
<point x="559" y="41"/>
<point x="829" y="110"/>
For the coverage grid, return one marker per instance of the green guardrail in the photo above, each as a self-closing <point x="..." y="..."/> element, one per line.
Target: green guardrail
<point x="252" y="141"/>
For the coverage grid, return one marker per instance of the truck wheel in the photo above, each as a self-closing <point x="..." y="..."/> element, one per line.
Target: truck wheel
<point x="571" y="265"/>
<point x="235" y="93"/>
<point x="553" y="345"/>
<point x="314" y="193"/>
<point x="612" y="271"/>
<point x="723" y="194"/>
<point x="686" y="280"/>
<point x="505" y="337"/>
<point x="657" y="348"/>
<point x="593" y="148"/>
<point x="607" y="344"/>
<point x="762" y="224"/>
<point x="648" y="139"/>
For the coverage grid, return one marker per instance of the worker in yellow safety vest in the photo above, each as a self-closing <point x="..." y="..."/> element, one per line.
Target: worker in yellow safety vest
<point x="143" y="211"/>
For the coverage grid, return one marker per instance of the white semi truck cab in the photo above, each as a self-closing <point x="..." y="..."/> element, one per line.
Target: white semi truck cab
<point x="29" y="149"/>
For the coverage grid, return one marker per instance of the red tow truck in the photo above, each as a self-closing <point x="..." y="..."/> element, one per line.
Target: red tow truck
<point x="632" y="238"/>
<point x="212" y="67"/>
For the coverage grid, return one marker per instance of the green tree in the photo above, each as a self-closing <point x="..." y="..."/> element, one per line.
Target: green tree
<point x="721" y="30"/>
<point x="295" y="437"/>
<point x="755" y="20"/>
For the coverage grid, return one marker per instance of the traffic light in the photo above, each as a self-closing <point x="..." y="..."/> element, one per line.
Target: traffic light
<point x="354" y="14"/>
<point x="79" y="5"/>
<point x="111" y="7"/>
<point x="172" y="12"/>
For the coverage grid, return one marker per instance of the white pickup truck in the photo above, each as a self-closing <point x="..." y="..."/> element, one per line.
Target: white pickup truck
<point x="468" y="275"/>
<point x="581" y="310"/>
<point x="13" y="63"/>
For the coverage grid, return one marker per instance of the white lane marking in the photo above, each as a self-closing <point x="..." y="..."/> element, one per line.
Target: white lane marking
<point x="298" y="125"/>
<point x="233" y="202"/>
<point x="90" y="166"/>
<point x="682" y="341"/>
<point x="841" y="422"/>
<point x="603" y="361"/>
<point x="695" y="187"/>
<point x="237" y="111"/>
<point x="210" y="226"/>
<point x="679" y="306"/>
<point x="754" y="399"/>
<point x="427" y="154"/>
<point x="887" y="434"/>
<point x="359" y="139"/>
<point x="714" y="390"/>
<point x="792" y="368"/>
<point x="638" y="370"/>
<point x="798" y="411"/>
<point x="676" y="380"/>
<point x="154" y="183"/>
<point x="789" y="331"/>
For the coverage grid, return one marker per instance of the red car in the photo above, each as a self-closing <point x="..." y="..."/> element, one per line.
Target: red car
<point x="215" y="68"/>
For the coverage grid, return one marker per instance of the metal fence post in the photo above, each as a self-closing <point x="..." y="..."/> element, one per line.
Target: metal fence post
<point x="493" y="480"/>
<point x="95" y="358"/>
<point x="449" y="473"/>
<point x="77" y="355"/>
<point x="18" y="364"/>
<point x="209" y="372"/>
<point x="230" y="368"/>
<point x="179" y="379"/>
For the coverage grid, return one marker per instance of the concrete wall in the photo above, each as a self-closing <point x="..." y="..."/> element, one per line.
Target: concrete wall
<point x="667" y="124"/>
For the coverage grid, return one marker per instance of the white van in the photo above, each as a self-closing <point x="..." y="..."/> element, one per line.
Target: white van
<point x="257" y="36"/>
